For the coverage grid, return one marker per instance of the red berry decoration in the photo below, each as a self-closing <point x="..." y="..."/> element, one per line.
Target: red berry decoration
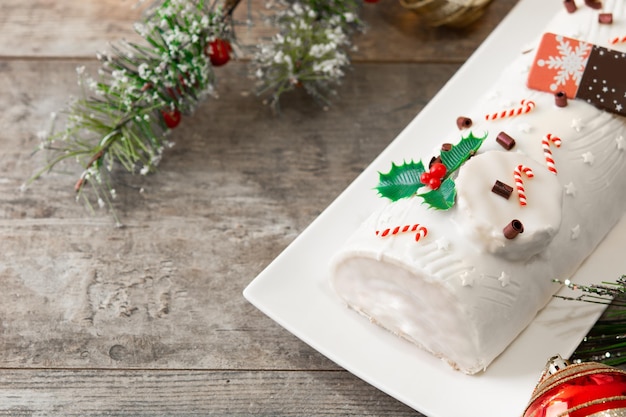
<point x="218" y="52"/>
<point x="171" y="118"/>
<point x="425" y="178"/>
<point x="438" y="170"/>
<point x="370" y="1"/>
<point x="434" y="183"/>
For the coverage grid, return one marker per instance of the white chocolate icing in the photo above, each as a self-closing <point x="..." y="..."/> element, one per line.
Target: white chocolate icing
<point x="484" y="214"/>
<point x="464" y="292"/>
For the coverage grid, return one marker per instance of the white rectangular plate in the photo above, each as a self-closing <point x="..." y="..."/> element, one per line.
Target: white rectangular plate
<point x="294" y="291"/>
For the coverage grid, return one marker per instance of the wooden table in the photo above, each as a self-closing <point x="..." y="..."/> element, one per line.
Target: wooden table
<point x="149" y="319"/>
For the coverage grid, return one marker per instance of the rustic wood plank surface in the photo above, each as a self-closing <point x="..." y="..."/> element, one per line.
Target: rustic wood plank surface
<point x="149" y="319"/>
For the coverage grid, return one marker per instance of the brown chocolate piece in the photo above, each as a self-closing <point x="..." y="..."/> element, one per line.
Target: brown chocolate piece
<point x="446" y="147"/>
<point x="560" y="99"/>
<point x="502" y="189"/>
<point x="505" y="141"/>
<point x="463" y="122"/>
<point x="605" y="18"/>
<point x="434" y="160"/>
<point x="570" y="5"/>
<point x="513" y="229"/>
<point x="603" y="83"/>
<point x="594" y="4"/>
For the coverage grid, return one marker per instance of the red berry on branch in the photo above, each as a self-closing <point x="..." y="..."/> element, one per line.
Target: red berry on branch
<point x="171" y="118"/>
<point x="218" y="52"/>
<point x="438" y="170"/>
<point x="425" y="178"/>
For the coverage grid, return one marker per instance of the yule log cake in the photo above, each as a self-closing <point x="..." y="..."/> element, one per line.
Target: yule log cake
<point x="464" y="255"/>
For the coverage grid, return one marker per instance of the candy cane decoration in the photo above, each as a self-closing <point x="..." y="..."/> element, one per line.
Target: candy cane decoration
<point x="519" y="182"/>
<point x="525" y="107"/>
<point x="618" y="40"/>
<point x="421" y="231"/>
<point x="545" y="143"/>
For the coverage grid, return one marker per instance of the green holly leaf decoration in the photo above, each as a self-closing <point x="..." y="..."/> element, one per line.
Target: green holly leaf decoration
<point x="443" y="197"/>
<point x="402" y="181"/>
<point x="460" y="152"/>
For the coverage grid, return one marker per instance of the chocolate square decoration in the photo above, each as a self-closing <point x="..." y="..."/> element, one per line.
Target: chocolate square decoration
<point x="603" y="83"/>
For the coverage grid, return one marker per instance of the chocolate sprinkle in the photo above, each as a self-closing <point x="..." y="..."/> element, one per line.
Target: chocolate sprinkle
<point x="502" y="189"/>
<point x="434" y="160"/>
<point x="560" y="99"/>
<point x="446" y="147"/>
<point x="594" y="4"/>
<point x="505" y="140"/>
<point x="605" y="18"/>
<point x="570" y="5"/>
<point x="463" y="122"/>
<point x="513" y="229"/>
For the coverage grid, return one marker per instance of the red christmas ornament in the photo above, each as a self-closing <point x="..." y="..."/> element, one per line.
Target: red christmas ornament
<point x="171" y="118"/>
<point x="218" y="52"/>
<point x="578" y="390"/>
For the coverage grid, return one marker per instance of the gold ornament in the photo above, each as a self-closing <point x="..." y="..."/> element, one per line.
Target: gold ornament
<point x="454" y="13"/>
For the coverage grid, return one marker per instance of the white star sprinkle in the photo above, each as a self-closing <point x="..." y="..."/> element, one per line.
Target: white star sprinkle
<point x="505" y="279"/>
<point x="618" y="107"/>
<point x="575" y="232"/>
<point x="588" y="158"/>
<point x="570" y="189"/>
<point x="443" y="244"/>
<point x="577" y="124"/>
<point x="525" y="128"/>
<point x="620" y="143"/>
<point x="466" y="279"/>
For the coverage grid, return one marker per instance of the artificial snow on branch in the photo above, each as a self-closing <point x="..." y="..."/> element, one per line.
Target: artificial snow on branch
<point x="124" y="114"/>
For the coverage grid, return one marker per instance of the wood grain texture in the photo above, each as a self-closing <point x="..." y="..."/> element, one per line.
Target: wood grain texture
<point x="233" y="192"/>
<point x="188" y="393"/>
<point x="51" y="28"/>
<point x="149" y="319"/>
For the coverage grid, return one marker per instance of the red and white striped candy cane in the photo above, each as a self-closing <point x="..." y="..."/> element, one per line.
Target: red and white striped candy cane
<point x="525" y="107"/>
<point x="617" y="40"/>
<point x="421" y="231"/>
<point x="547" y="152"/>
<point x="519" y="182"/>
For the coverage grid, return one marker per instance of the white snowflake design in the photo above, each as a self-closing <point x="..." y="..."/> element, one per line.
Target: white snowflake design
<point x="570" y="62"/>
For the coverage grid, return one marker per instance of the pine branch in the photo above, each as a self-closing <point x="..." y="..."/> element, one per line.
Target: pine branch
<point x="310" y="50"/>
<point x="606" y="341"/>
<point x="124" y="116"/>
<point x="142" y="90"/>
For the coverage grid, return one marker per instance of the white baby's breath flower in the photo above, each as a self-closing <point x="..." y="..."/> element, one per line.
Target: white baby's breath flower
<point x="42" y="135"/>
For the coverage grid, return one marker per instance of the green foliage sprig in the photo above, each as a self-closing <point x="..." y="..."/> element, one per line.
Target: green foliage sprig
<point x="310" y="50"/>
<point x="124" y="114"/>
<point x="606" y="341"/>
